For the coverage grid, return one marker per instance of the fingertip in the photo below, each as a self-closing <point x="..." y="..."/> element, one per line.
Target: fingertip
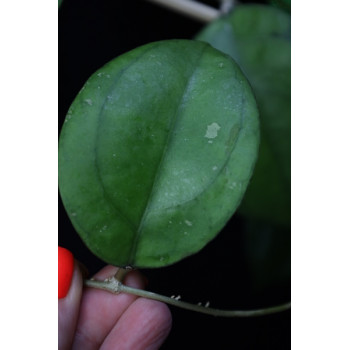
<point x="149" y="321"/>
<point x="68" y="309"/>
<point x="159" y="315"/>
<point x="162" y="321"/>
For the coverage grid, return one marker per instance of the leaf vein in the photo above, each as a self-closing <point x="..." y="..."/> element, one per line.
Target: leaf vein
<point x="166" y="147"/>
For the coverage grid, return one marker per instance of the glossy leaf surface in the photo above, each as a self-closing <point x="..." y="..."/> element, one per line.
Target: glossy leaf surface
<point x="156" y="152"/>
<point x="258" y="38"/>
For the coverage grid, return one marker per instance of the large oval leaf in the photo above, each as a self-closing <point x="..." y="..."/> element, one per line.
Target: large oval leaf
<point x="258" y="38"/>
<point x="156" y="152"/>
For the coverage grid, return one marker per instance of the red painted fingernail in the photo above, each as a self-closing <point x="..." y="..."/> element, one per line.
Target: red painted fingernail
<point x="65" y="271"/>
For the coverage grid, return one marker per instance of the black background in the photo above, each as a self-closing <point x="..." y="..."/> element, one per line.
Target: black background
<point x="91" y="33"/>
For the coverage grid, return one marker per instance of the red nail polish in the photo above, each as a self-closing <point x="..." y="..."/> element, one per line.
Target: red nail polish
<point x="65" y="271"/>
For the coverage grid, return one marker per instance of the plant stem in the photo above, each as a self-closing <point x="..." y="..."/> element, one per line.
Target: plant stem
<point x="226" y="6"/>
<point x="114" y="286"/>
<point x="121" y="273"/>
<point x="191" y="8"/>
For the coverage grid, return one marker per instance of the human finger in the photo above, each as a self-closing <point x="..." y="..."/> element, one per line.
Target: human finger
<point x="100" y="310"/>
<point x="70" y="287"/>
<point x="144" y="325"/>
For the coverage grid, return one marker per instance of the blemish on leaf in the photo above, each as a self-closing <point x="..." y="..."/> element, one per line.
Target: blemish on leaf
<point x="188" y="223"/>
<point x="88" y="101"/>
<point x="232" y="185"/>
<point x="212" y="131"/>
<point x="104" y="228"/>
<point x="68" y="117"/>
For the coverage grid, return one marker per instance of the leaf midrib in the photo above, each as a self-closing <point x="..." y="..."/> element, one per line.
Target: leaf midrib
<point x="173" y="124"/>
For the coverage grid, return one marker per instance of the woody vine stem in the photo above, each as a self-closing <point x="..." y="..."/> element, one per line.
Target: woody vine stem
<point x="115" y="286"/>
<point x="196" y="9"/>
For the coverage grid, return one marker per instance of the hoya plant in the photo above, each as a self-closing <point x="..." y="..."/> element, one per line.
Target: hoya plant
<point x="165" y="143"/>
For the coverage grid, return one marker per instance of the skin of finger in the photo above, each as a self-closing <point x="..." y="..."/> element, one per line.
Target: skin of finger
<point x="68" y="310"/>
<point x="100" y="310"/>
<point x="143" y="326"/>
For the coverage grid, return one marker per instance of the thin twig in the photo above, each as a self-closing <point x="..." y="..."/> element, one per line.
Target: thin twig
<point x="114" y="286"/>
<point x="227" y="6"/>
<point x="191" y="8"/>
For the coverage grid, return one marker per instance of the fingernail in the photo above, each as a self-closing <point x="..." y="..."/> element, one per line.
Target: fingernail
<point x="65" y="271"/>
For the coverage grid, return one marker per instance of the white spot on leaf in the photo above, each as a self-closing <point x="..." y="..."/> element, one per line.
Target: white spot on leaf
<point x="188" y="223"/>
<point x="232" y="185"/>
<point x="212" y="131"/>
<point x="88" y="101"/>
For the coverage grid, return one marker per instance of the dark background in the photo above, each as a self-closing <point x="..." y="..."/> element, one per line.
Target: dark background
<point x="225" y="272"/>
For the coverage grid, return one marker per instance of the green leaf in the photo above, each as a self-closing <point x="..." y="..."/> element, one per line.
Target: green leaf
<point x="258" y="38"/>
<point x="156" y="152"/>
<point x="282" y="4"/>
